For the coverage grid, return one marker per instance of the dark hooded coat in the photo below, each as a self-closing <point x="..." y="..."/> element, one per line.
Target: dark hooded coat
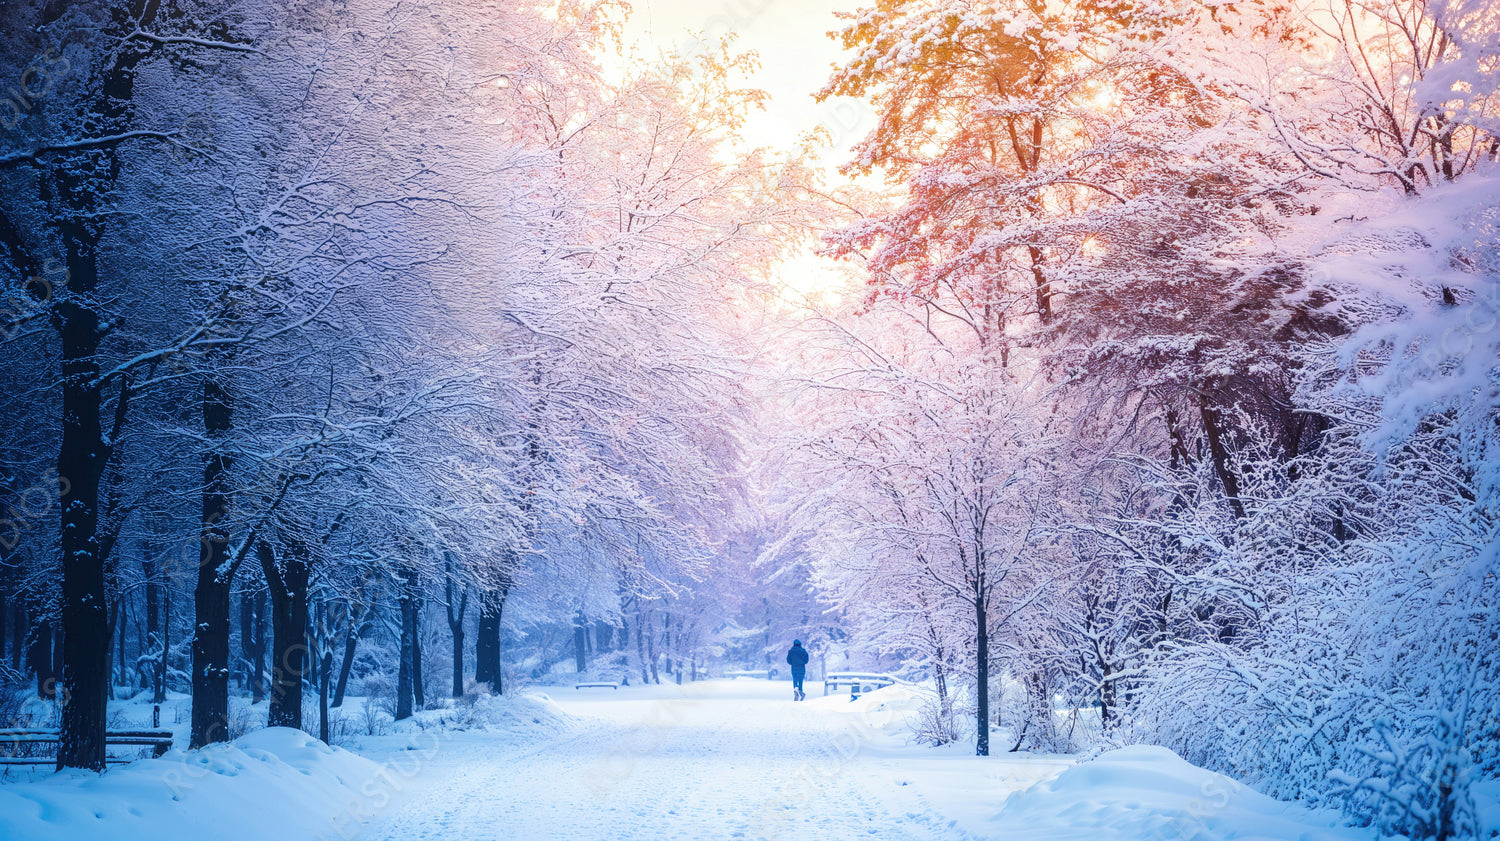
<point x="797" y="659"/>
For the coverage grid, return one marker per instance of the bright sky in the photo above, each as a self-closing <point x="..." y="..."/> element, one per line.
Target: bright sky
<point x="795" y="53"/>
<point x="796" y="57"/>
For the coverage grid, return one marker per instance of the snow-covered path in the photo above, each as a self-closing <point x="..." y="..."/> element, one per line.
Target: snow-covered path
<point x="718" y="761"/>
<point x="715" y="760"/>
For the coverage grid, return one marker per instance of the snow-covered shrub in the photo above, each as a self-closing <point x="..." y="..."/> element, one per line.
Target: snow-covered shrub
<point x="342" y="724"/>
<point x="1364" y="667"/>
<point x="20" y="707"/>
<point x="375" y="716"/>
<point x="243" y="718"/>
<point x="939" y="723"/>
<point x="380" y="686"/>
<point x="341" y="730"/>
<point x="1028" y="705"/>
<point x="14" y="709"/>
<point x="1384" y="704"/>
<point x="522" y="715"/>
<point x="1418" y="787"/>
<point x="472" y="693"/>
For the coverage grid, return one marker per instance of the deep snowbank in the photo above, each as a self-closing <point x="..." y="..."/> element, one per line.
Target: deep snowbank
<point x="275" y="783"/>
<point x="1151" y="793"/>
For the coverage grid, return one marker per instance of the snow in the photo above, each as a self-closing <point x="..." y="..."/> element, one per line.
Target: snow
<point x="715" y="759"/>
<point x="273" y="783"/>
<point x="517" y="719"/>
<point x="1150" y="792"/>
<point x="1487" y="807"/>
<point x="739" y="759"/>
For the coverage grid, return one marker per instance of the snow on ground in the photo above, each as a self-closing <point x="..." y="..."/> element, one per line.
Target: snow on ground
<point x="1150" y="792"/>
<point x="512" y="719"/>
<point x="1487" y="807"/>
<point x="712" y="760"/>
<point x="254" y="788"/>
<point x="738" y="759"/>
<point x="720" y="759"/>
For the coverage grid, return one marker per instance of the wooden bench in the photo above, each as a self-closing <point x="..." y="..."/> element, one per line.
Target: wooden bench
<point x="160" y="741"/>
<point x="857" y="682"/>
<point x="597" y="686"/>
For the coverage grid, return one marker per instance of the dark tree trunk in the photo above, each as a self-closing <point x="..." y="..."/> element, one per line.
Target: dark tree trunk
<point x="40" y="654"/>
<point x="667" y="643"/>
<point x="455" y="614"/>
<point x="154" y="635"/>
<point x="109" y="660"/>
<point x="11" y="595"/>
<point x="80" y="465"/>
<point x="8" y="585"/>
<point x="939" y="674"/>
<point x="487" y="640"/>
<point x="405" y="670"/>
<point x="309" y="644"/>
<point x="458" y="661"/>
<point x="351" y="642"/>
<point x="122" y="617"/>
<point x="247" y="636"/>
<point x="940" y="680"/>
<point x="159" y="691"/>
<point x="1039" y="700"/>
<point x="75" y="186"/>
<point x="1180" y="455"/>
<point x="58" y="653"/>
<point x="1039" y="280"/>
<point x="640" y="644"/>
<point x="18" y="633"/>
<point x="143" y="646"/>
<point x="580" y="642"/>
<point x="418" y="684"/>
<point x="253" y="642"/>
<point x="258" y="653"/>
<point x="1106" y="693"/>
<point x="982" y="681"/>
<point x="1218" y="449"/>
<point x="323" y="696"/>
<point x="287" y="586"/>
<point x="211" y="595"/>
<point x="651" y="656"/>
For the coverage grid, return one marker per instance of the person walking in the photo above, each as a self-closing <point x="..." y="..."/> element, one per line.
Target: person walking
<point x="797" y="659"/>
